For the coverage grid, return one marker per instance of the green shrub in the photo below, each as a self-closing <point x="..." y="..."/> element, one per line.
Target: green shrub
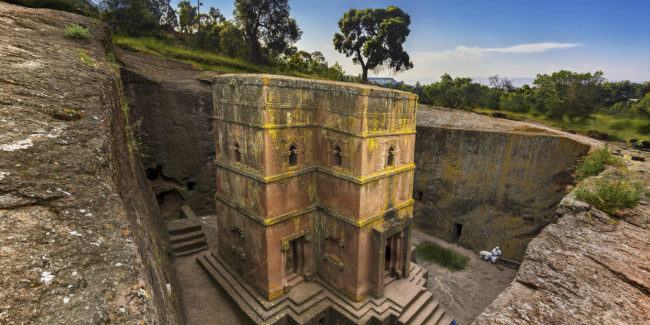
<point x="620" y="125"/>
<point x="595" y="162"/>
<point x="110" y="57"/>
<point x="608" y="195"/>
<point x="433" y="253"/>
<point x="643" y="128"/>
<point x="77" y="32"/>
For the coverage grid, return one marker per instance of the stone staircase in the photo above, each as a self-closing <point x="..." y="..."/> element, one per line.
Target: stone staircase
<point x="186" y="235"/>
<point x="310" y="301"/>
<point x="424" y="309"/>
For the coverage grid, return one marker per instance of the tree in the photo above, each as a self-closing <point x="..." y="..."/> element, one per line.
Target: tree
<point x="133" y="17"/>
<point x="231" y="41"/>
<point x="187" y="17"/>
<point x="501" y="84"/>
<point x="268" y="22"/>
<point x="374" y="38"/>
<point x="573" y="94"/>
<point x="163" y="11"/>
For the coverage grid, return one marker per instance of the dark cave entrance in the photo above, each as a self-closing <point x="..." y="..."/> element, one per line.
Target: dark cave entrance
<point x="170" y="203"/>
<point x="458" y="230"/>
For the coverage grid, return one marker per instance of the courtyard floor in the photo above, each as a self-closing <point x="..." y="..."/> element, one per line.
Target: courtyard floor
<point x="465" y="293"/>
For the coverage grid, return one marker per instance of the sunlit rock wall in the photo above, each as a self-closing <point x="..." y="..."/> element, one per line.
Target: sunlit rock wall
<point x="483" y="188"/>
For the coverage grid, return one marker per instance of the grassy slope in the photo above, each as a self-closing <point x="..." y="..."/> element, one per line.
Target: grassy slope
<point x="206" y="60"/>
<point x="599" y="122"/>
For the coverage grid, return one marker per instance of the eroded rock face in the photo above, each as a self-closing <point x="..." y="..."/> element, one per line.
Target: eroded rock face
<point x="488" y="182"/>
<point x="586" y="269"/>
<point x="173" y="112"/>
<point x="67" y="248"/>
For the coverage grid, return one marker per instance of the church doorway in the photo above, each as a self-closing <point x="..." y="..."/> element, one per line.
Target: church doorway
<point x="393" y="259"/>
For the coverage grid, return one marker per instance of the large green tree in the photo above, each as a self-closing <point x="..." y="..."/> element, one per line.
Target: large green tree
<point x="572" y="94"/>
<point x="374" y="38"/>
<point x="266" y="22"/>
<point x="187" y="17"/>
<point x="133" y="17"/>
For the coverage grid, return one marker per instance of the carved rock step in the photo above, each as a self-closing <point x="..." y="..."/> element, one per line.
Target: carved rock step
<point x="191" y="251"/>
<point x="173" y="239"/>
<point x="303" y="308"/>
<point x="445" y="320"/>
<point x="424" y="313"/>
<point x="189" y="244"/>
<point x="435" y="317"/>
<point x="186" y="237"/>
<point x="183" y="226"/>
<point x="414" y="307"/>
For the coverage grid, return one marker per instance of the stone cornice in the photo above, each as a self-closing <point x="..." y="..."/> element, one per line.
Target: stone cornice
<point x="325" y="170"/>
<point x="305" y="125"/>
<point x="363" y="223"/>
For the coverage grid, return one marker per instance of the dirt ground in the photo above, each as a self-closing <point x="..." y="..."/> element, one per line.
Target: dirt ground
<point x="466" y="293"/>
<point x="204" y="301"/>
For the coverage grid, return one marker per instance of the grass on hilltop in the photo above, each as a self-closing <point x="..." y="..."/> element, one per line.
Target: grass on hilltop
<point x="595" y="162"/>
<point x="610" y="195"/>
<point x="445" y="257"/>
<point x="204" y="59"/>
<point x="619" y="128"/>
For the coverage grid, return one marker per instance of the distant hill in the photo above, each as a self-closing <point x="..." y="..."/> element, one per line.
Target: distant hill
<point x="384" y="81"/>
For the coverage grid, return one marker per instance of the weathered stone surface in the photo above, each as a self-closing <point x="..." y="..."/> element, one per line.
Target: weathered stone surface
<point x="498" y="180"/>
<point x="314" y="178"/>
<point x="173" y="111"/>
<point x="586" y="269"/>
<point x="66" y="240"/>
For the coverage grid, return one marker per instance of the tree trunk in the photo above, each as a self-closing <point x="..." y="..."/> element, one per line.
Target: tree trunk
<point x="364" y="68"/>
<point x="256" y="52"/>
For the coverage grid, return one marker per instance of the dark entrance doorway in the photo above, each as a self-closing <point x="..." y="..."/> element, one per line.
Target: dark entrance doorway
<point x="458" y="230"/>
<point x="393" y="258"/>
<point x="295" y="263"/>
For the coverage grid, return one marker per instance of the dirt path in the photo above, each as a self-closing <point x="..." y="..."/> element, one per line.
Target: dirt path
<point x="204" y="302"/>
<point x="466" y="293"/>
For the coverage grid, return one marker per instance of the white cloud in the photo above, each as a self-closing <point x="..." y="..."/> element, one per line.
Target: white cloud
<point x="478" y="52"/>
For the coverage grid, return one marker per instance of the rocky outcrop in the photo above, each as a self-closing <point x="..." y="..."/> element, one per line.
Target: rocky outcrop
<point x="172" y="109"/>
<point x="588" y="268"/>
<point x="72" y="208"/>
<point x="485" y="182"/>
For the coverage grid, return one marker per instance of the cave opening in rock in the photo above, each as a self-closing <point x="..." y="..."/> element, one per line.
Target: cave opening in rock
<point x="458" y="229"/>
<point x="154" y="173"/>
<point x="170" y="204"/>
<point x="190" y="185"/>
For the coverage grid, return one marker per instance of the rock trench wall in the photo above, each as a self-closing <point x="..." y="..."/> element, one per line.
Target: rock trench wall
<point x="484" y="189"/>
<point x="173" y="117"/>
<point x="78" y="238"/>
<point x="149" y="231"/>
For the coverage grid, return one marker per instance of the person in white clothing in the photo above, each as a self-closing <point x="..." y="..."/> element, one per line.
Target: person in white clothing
<point x="491" y="256"/>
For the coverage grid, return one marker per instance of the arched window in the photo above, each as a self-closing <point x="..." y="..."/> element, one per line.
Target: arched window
<point x="237" y="152"/>
<point x="391" y="157"/>
<point x="293" y="156"/>
<point x="338" y="159"/>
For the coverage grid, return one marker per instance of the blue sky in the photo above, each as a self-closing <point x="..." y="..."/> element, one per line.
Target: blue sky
<point x="517" y="39"/>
